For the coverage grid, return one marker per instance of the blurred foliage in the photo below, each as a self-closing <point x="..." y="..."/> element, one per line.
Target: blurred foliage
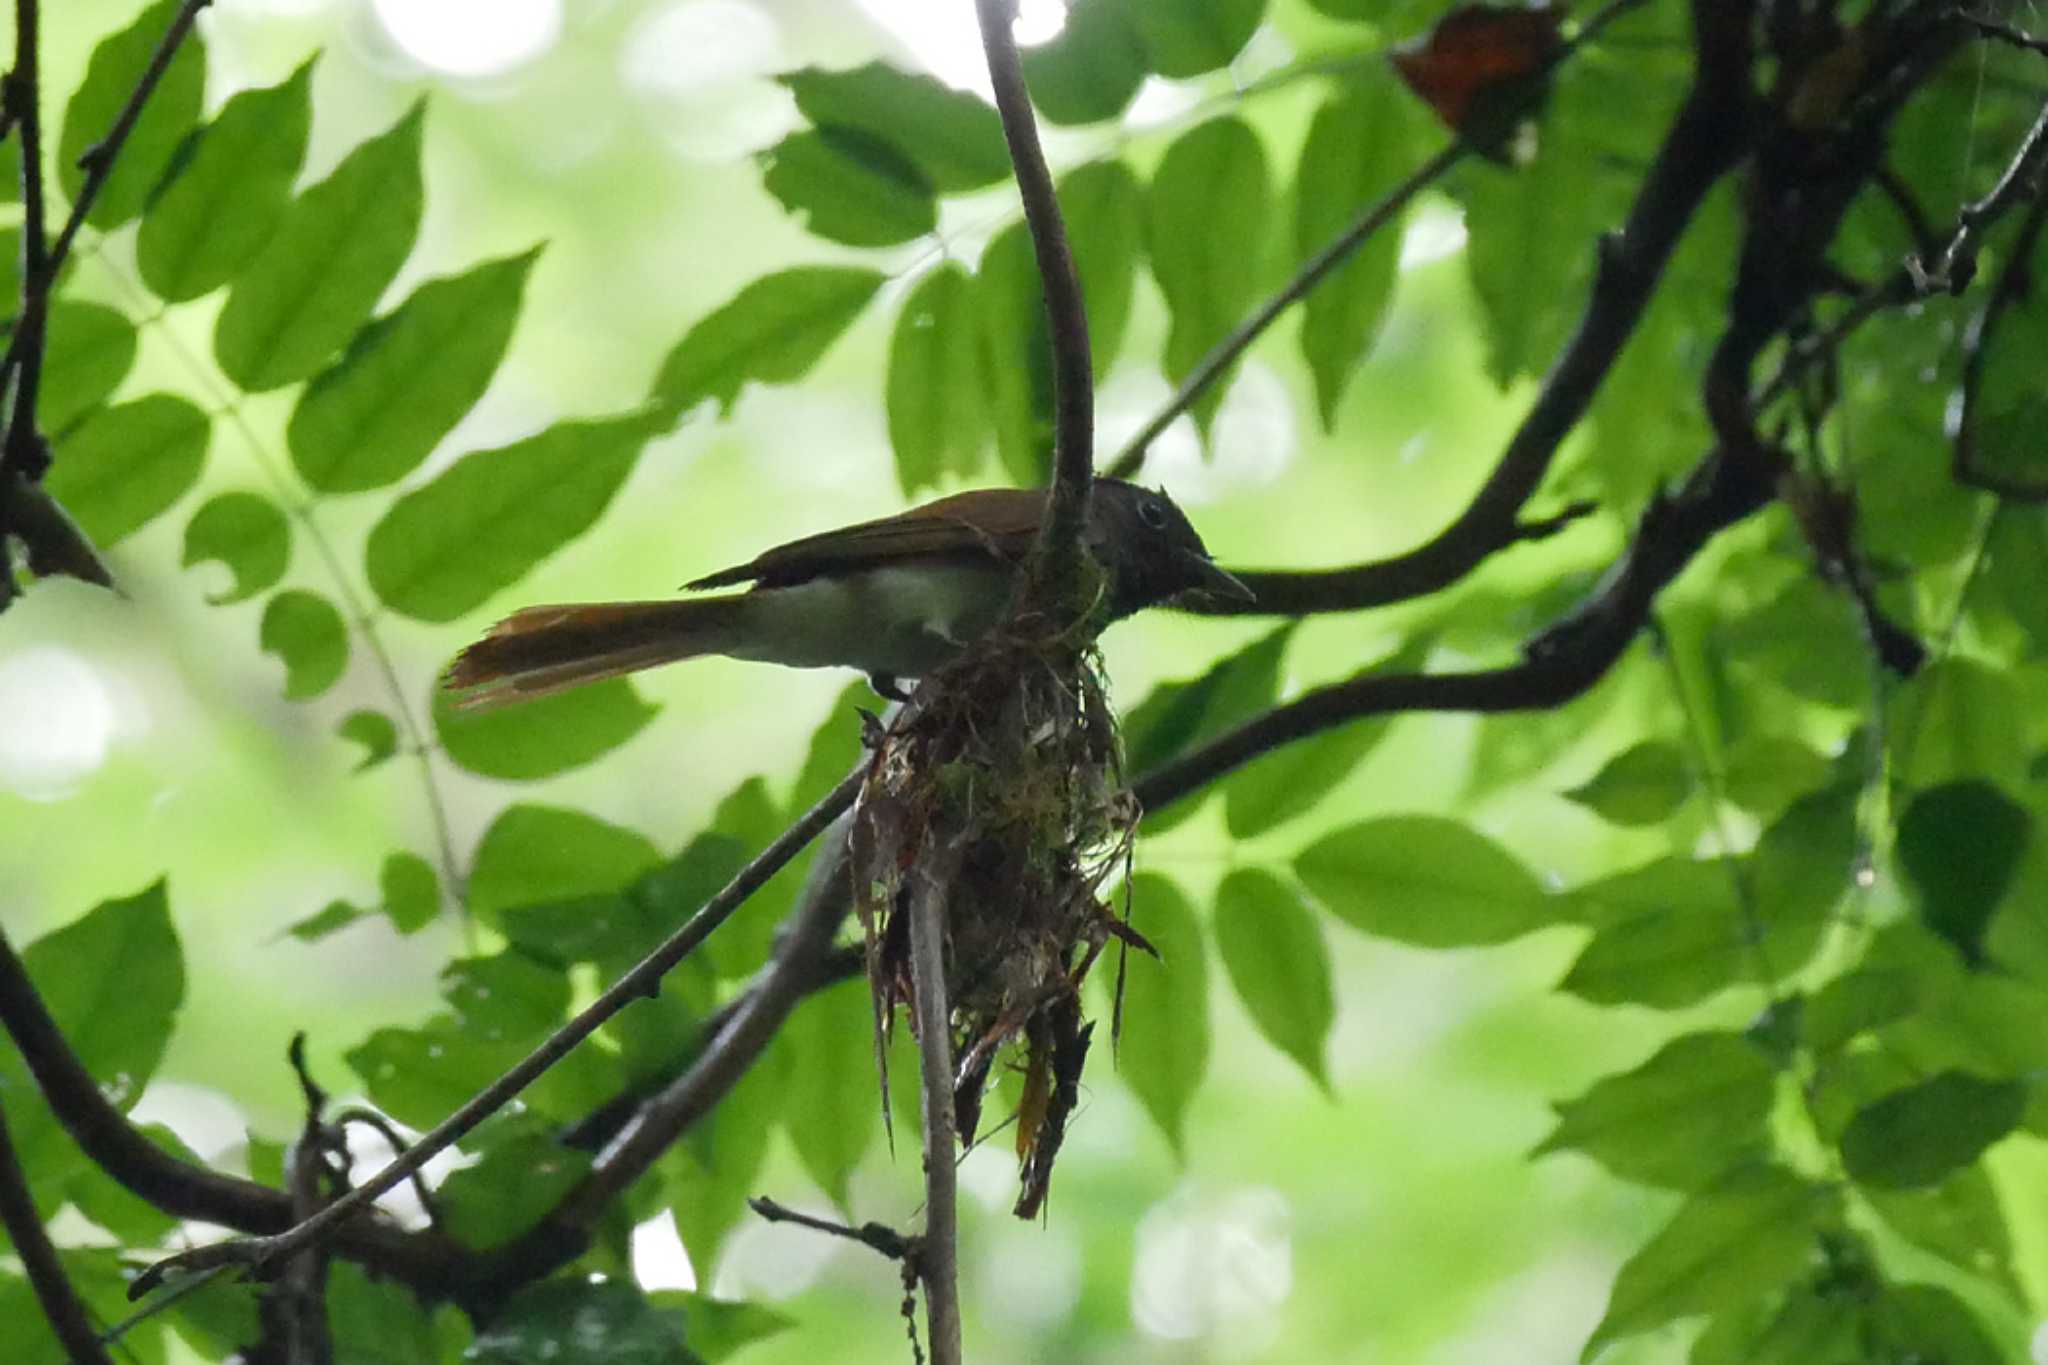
<point x="1767" y="926"/>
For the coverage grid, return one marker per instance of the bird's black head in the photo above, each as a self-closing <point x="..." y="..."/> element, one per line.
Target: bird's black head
<point x="1150" y="549"/>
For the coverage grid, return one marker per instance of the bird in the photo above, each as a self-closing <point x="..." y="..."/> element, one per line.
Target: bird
<point x="894" y="598"/>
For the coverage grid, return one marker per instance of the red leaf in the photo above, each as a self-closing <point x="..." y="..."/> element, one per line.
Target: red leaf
<point x="1476" y="51"/>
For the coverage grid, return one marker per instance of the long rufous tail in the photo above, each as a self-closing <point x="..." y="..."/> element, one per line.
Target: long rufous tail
<point x="543" y="650"/>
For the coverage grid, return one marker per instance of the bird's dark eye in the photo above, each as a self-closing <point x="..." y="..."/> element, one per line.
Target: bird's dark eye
<point x="1152" y="514"/>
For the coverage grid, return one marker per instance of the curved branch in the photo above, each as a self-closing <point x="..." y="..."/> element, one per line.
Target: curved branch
<point x="39" y="1260"/>
<point x="643" y="980"/>
<point x="1073" y="369"/>
<point x="1709" y="136"/>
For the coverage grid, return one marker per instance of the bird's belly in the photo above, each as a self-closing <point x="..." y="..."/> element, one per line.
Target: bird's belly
<point x="901" y="621"/>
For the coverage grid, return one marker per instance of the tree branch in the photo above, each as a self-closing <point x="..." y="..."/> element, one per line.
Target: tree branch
<point x="150" y="1173"/>
<point x="1709" y="136"/>
<point x="643" y="980"/>
<point x="39" y="1259"/>
<point x="938" y="1250"/>
<point x="1073" y="369"/>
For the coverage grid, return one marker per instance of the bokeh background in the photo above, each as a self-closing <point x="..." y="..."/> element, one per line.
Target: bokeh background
<point x="1392" y="1216"/>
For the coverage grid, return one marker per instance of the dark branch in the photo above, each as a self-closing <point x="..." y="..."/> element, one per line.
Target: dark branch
<point x="97" y="161"/>
<point x="938" y="1250"/>
<point x="150" y="1173"/>
<point x="878" y="1237"/>
<point x="1073" y="368"/>
<point x="735" y="1045"/>
<point x="1710" y="135"/>
<point x="643" y="980"/>
<point x="2014" y="284"/>
<point x="39" y="1259"/>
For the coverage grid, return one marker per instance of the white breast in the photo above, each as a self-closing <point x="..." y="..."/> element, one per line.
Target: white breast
<point x="901" y="621"/>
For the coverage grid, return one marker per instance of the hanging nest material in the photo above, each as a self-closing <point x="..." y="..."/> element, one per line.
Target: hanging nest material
<point x="1003" y="778"/>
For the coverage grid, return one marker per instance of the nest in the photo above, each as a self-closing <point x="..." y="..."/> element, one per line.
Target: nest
<point x="1003" y="779"/>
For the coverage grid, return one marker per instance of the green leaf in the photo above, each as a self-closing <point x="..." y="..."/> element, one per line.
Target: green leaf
<point x="306" y="632"/>
<point x="580" y="1321"/>
<point x="484" y="522"/>
<point x="219" y="1318"/>
<point x="746" y="819"/>
<point x="1925" y="1322"/>
<point x="2015" y="559"/>
<point x="113" y="981"/>
<point x="1764" y="772"/>
<point x="1424" y="880"/>
<point x="1018" y="359"/>
<point x="376" y="1321"/>
<point x="2005" y="446"/>
<point x="321" y="271"/>
<point x="509" y="1190"/>
<point x="124" y="466"/>
<point x="1273" y="950"/>
<point x="833" y="1102"/>
<point x="1957" y="719"/>
<point x="88" y="353"/>
<point x="1164" y="1049"/>
<point x="545" y="736"/>
<point x="1814" y="1323"/>
<point x="936" y="395"/>
<point x="719" y="1327"/>
<point x="1176" y="716"/>
<point x="772" y="332"/>
<point x="954" y="139"/>
<point x="222" y="203"/>
<point x="508" y="997"/>
<point x="1105" y="212"/>
<point x="133" y="1220"/>
<point x="1643" y="785"/>
<point x="850" y="187"/>
<point x="117" y="67"/>
<point x="247" y="533"/>
<point x="1695" y="1108"/>
<point x="1959" y="1219"/>
<point x="1208" y="217"/>
<point x="1733" y="1242"/>
<point x="1091" y="68"/>
<point x="1855" y="1003"/>
<point x="1959" y="845"/>
<point x="1806" y="640"/>
<point x="1668" y="935"/>
<point x="1293" y="779"/>
<point x="533" y="855"/>
<point x="329" y="919"/>
<point x="411" y="891"/>
<point x="1917" y="1136"/>
<point x="375" y="732"/>
<point x="1358" y="147"/>
<point x="707" y="1178"/>
<point x="407" y="379"/>
<point x="1188" y="37"/>
<point x="1802" y="866"/>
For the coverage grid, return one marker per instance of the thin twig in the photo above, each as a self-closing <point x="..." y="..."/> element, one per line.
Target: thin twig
<point x="98" y="160"/>
<point x="876" y="1236"/>
<point x="938" y="1249"/>
<point x="39" y="1260"/>
<point x="1340" y="248"/>
<point x="643" y="980"/>
<point x="21" y="453"/>
<point x="2007" y="33"/>
<point x="1073" y="369"/>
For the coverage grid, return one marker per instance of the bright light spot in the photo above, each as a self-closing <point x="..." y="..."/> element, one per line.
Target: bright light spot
<point x="471" y="37"/>
<point x="1030" y="1276"/>
<point x="1436" y="231"/>
<point x="204" y="1120"/>
<point x="56" y="721"/>
<point x="2038" y="1350"/>
<point x="1252" y="439"/>
<point x="659" y="1260"/>
<point x="946" y="39"/>
<point x="1160" y="102"/>
<point x="1210" y="1265"/>
<point x="774" y="1261"/>
<point x="701" y="69"/>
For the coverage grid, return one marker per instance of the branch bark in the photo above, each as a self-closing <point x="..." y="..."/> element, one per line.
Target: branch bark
<point x="643" y="980"/>
<point x="938" y="1250"/>
<point x="1708" y="138"/>
<point x="1056" y="559"/>
<point x="39" y="1259"/>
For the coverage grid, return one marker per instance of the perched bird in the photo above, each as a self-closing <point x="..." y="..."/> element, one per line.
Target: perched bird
<point x="893" y="598"/>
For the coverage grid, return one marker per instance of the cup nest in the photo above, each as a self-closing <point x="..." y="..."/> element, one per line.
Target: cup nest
<point x="1002" y="781"/>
